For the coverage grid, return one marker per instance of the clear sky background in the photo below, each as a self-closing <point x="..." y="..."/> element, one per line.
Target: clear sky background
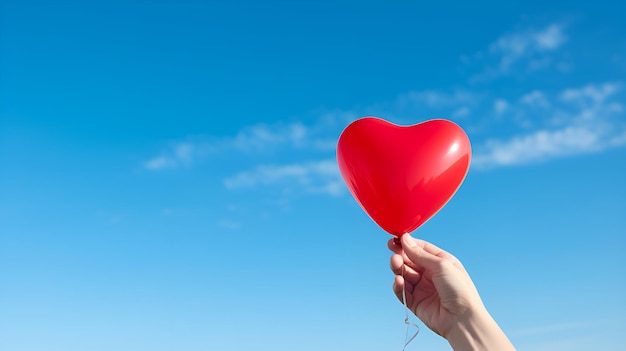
<point x="168" y="178"/>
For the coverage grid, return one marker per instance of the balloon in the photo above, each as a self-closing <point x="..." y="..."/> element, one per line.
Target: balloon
<point x="402" y="175"/>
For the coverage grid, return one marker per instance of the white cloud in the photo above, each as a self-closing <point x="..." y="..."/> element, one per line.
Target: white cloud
<point x="539" y="63"/>
<point x="433" y="99"/>
<point x="262" y="136"/>
<point x="319" y="177"/>
<point x="178" y="154"/>
<point x="539" y="146"/>
<point x="325" y="144"/>
<point x="500" y="106"/>
<point x="528" y="49"/>
<point x="586" y="121"/>
<point x="591" y="93"/>
<point x="593" y="105"/>
<point x="514" y="46"/>
<point x="535" y="98"/>
<point x="461" y="112"/>
<point x="183" y="151"/>
<point x="575" y="121"/>
<point x="159" y="162"/>
<point x="619" y="139"/>
<point x="551" y="38"/>
<point x="415" y="105"/>
<point x="250" y="139"/>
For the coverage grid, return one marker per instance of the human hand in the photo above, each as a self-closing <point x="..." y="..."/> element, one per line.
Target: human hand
<point x="441" y="293"/>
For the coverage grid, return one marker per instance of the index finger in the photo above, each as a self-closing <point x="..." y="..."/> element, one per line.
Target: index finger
<point x="441" y="253"/>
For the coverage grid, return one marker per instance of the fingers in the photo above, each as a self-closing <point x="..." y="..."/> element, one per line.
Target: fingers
<point x="416" y="251"/>
<point x="394" y="245"/>
<point x="430" y="256"/>
<point x="397" y="265"/>
<point x="399" y="284"/>
<point x="433" y="249"/>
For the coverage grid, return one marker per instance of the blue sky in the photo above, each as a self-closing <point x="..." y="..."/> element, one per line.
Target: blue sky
<point x="168" y="181"/>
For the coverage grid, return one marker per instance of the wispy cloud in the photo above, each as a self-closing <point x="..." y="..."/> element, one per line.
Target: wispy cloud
<point x="573" y="121"/>
<point x="313" y="177"/>
<point x="591" y="93"/>
<point x="258" y="138"/>
<point x="539" y="146"/>
<point x="500" y="106"/>
<point x="580" y="120"/>
<point x="262" y="136"/>
<point x="458" y="102"/>
<point x="535" y="98"/>
<point x="461" y="112"/>
<point x="533" y="126"/>
<point x="160" y="162"/>
<point x="434" y="98"/>
<point x="178" y="154"/>
<point x="520" y="51"/>
<point x="513" y="46"/>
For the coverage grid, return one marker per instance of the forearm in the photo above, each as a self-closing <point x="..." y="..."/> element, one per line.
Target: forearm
<point x="476" y="330"/>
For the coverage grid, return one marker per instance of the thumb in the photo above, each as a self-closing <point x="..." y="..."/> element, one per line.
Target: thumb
<point x="414" y="250"/>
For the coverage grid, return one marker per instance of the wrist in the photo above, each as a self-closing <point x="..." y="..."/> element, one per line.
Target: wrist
<point x="477" y="330"/>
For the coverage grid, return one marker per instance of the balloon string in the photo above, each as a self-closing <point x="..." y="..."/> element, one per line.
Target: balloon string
<point x="407" y="340"/>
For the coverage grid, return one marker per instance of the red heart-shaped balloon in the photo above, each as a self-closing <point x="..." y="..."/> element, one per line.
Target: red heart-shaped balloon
<point x="401" y="176"/>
